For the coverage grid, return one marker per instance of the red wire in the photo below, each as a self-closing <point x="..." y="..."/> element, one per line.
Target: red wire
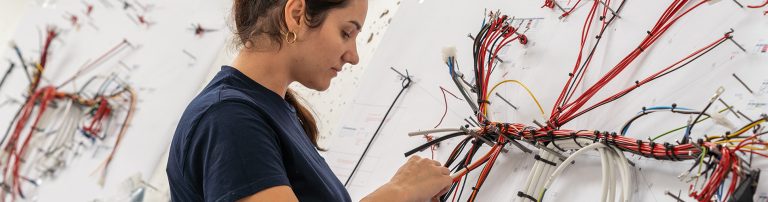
<point x="665" y="21"/>
<point x="759" y="5"/>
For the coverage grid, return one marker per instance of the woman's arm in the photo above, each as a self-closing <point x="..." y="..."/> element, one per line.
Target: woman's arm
<point x="418" y="180"/>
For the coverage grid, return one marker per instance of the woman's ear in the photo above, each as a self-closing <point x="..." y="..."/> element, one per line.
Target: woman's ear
<point x="294" y="14"/>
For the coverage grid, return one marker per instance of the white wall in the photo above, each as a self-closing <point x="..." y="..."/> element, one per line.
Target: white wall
<point x="11" y="12"/>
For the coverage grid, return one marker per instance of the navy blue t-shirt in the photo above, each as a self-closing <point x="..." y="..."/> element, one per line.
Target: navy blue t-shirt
<point x="237" y="138"/>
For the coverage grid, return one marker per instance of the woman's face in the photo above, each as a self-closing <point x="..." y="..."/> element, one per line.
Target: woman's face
<point x="322" y="51"/>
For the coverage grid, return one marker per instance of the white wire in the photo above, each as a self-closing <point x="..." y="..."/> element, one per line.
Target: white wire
<point x="568" y="161"/>
<point x="604" y="169"/>
<point x="439" y="130"/>
<point x="614" y="163"/>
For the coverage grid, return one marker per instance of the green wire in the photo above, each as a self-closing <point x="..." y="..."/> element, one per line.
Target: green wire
<point x="682" y="127"/>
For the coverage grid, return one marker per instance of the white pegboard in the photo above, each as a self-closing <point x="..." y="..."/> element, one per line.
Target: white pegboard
<point x="543" y="65"/>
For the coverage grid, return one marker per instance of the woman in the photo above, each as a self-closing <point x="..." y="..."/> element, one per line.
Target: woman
<point x="245" y="137"/>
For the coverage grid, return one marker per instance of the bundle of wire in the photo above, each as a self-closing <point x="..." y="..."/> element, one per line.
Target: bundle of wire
<point x="724" y="163"/>
<point x="43" y="135"/>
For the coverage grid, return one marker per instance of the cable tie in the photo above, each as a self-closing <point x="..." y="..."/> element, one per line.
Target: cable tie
<point x="597" y="136"/>
<point x="537" y="157"/>
<point x="552" y="140"/>
<point x="521" y="194"/>
<point x="573" y="135"/>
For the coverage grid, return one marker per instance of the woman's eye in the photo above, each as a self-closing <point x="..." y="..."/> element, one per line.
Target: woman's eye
<point x="345" y="34"/>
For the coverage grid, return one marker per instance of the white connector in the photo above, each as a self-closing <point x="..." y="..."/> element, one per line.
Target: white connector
<point x="449" y="52"/>
<point x="721" y="120"/>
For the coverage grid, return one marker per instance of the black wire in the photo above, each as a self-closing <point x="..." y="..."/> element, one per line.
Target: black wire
<point x="406" y="83"/>
<point x="461" y="146"/>
<point x="467" y="160"/>
<point x="476" y="53"/>
<point x="8" y="72"/>
<point x="433" y="142"/>
<point x="448" y="163"/>
<point x="23" y="63"/>
<point x="690" y="127"/>
<point x="490" y="51"/>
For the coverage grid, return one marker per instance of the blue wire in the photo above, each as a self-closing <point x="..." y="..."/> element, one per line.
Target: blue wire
<point x="624" y="130"/>
<point x="663" y="108"/>
<point x="450" y="66"/>
<point x="720" y="191"/>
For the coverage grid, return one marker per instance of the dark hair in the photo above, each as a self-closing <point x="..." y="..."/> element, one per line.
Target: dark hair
<point x="265" y="18"/>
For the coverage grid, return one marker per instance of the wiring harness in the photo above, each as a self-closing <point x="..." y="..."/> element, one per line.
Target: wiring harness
<point x="54" y="126"/>
<point x="719" y="170"/>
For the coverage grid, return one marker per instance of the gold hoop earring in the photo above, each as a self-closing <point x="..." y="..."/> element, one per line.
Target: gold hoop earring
<point x="290" y="37"/>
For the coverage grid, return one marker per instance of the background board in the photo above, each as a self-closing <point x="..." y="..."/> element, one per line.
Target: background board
<point x="421" y="30"/>
<point x="166" y="64"/>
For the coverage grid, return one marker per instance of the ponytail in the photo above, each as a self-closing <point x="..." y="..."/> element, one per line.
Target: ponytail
<point x="305" y="116"/>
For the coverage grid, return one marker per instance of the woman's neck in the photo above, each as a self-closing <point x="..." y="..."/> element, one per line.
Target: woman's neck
<point x="266" y="68"/>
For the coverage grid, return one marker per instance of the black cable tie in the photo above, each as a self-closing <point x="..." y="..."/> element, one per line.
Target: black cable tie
<point x="631" y="163"/>
<point x="666" y="151"/>
<point x="640" y="147"/>
<point x="521" y="194"/>
<point x="674" y="154"/>
<point x="649" y="32"/>
<point x="613" y="136"/>
<point x="533" y="136"/>
<point x="597" y="136"/>
<point x="674" y="105"/>
<point x="506" y="128"/>
<point x="597" y="37"/>
<point x="537" y="157"/>
<point x="637" y="83"/>
<point x="605" y="138"/>
<point x="573" y="135"/>
<point x="653" y="148"/>
<point x="483" y="101"/>
<point x="552" y="140"/>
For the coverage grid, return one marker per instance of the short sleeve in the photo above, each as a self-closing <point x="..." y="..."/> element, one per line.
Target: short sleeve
<point x="241" y="152"/>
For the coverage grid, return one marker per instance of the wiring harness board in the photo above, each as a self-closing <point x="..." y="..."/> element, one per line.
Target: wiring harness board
<point x="603" y="100"/>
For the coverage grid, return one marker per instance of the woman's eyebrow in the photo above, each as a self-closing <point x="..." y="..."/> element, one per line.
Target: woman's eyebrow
<point x="357" y="24"/>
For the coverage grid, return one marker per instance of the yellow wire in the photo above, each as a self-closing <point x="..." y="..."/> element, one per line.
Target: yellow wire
<point x="738" y="132"/>
<point x="752" y="148"/>
<point x="522" y="85"/>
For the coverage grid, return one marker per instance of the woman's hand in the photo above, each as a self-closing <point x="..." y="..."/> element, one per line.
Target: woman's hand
<point x="420" y="179"/>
